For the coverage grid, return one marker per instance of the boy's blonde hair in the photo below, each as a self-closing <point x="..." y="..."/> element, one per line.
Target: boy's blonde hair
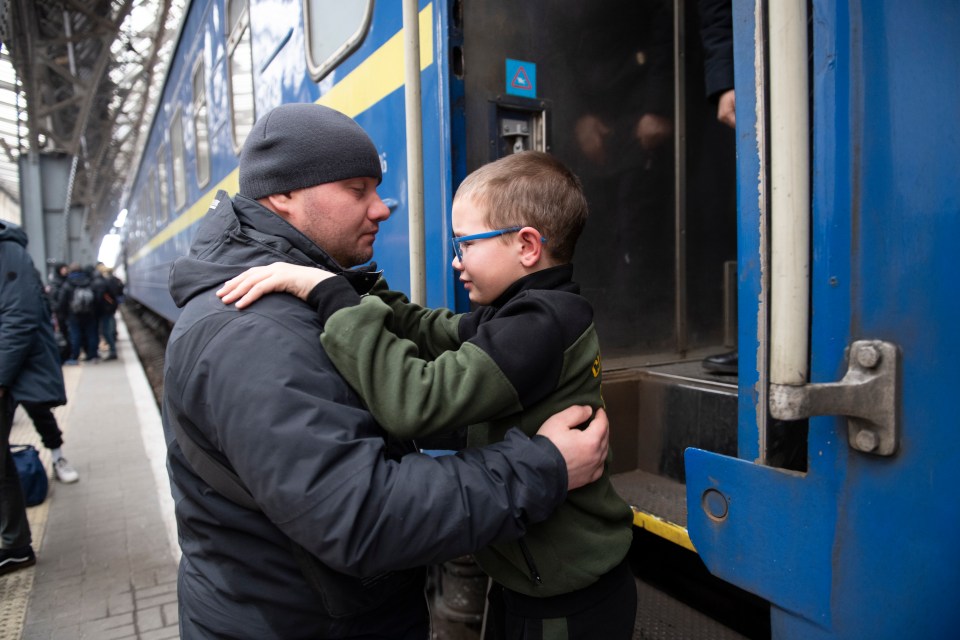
<point x="531" y="188"/>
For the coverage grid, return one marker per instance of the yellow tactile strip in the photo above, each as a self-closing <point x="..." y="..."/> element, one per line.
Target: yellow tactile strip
<point x="15" y="587"/>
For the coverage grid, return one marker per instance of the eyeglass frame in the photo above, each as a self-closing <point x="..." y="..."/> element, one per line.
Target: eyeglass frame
<point x="456" y="240"/>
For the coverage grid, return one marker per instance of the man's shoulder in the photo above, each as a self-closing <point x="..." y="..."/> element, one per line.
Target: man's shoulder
<point x="275" y="317"/>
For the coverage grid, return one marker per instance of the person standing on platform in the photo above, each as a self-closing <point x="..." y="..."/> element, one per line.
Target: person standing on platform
<point x="40" y="413"/>
<point x="109" y="294"/>
<point x="298" y="515"/>
<point x="29" y="373"/>
<point x="77" y="301"/>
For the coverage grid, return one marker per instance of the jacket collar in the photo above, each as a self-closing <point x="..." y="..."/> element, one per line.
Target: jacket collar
<point x="559" y="277"/>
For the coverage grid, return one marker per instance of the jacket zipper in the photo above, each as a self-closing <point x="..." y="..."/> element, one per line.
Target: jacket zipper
<point x="528" y="557"/>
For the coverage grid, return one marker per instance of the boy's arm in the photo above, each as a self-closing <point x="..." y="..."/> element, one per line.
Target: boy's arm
<point x="433" y="330"/>
<point x="408" y="395"/>
<point x="513" y="361"/>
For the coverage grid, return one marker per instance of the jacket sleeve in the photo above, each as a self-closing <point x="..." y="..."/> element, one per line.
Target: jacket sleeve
<point x="317" y="463"/>
<point x="17" y="315"/>
<point x="716" y="34"/>
<point x="432" y="330"/>
<point x="409" y="395"/>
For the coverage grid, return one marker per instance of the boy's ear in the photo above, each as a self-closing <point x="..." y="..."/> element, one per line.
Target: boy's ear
<point x="531" y="247"/>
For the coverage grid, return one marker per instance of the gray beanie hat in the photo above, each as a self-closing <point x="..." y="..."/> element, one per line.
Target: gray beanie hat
<point x="301" y="145"/>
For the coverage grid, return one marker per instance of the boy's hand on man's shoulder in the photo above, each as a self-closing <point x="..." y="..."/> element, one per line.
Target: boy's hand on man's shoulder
<point x="279" y="277"/>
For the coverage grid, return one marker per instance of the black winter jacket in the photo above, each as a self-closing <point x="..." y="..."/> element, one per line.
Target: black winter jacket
<point x="29" y="359"/>
<point x="259" y="389"/>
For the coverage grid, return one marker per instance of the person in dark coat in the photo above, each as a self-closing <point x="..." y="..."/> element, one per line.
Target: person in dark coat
<point x="716" y="33"/>
<point x="340" y="518"/>
<point x="108" y="290"/>
<point x="29" y="373"/>
<point x="40" y="413"/>
<point x="81" y="318"/>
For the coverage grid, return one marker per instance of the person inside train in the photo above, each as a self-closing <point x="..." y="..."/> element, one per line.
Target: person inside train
<point x="716" y="32"/>
<point x="298" y="515"/>
<point x="528" y="349"/>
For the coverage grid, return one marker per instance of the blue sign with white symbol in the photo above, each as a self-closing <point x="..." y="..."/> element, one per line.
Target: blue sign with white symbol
<point x="521" y="78"/>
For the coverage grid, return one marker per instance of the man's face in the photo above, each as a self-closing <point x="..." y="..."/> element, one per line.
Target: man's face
<point x="342" y="218"/>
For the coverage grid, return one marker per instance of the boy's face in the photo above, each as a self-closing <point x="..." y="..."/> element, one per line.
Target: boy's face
<point x="489" y="265"/>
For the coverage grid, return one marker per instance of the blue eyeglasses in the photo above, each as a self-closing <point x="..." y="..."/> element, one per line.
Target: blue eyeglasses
<point x="457" y="240"/>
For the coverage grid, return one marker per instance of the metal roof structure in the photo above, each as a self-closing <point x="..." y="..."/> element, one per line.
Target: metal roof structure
<point x="80" y="78"/>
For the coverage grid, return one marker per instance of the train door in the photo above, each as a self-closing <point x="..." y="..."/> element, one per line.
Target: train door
<point x="615" y="89"/>
<point x="861" y="541"/>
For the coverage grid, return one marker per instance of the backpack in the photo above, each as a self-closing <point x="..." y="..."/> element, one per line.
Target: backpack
<point x="81" y="303"/>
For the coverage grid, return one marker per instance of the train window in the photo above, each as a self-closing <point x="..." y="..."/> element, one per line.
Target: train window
<point x="334" y="29"/>
<point x="240" y="62"/>
<point x="201" y="135"/>
<point x="176" y="146"/>
<point x="162" y="186"/>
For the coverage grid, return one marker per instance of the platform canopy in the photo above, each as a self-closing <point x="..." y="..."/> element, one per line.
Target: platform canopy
<point x="80" y="78"/>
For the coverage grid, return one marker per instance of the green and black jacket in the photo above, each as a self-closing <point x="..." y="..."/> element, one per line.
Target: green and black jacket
<point x="514" y="363"/>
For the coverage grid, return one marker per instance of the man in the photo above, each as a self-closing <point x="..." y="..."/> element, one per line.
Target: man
<point x="108" y="291"/>
<point x="716" y="33"/>
<point x="29" y="373"/>
<point x="336" y="518"/>
<point x="77" y="301"/>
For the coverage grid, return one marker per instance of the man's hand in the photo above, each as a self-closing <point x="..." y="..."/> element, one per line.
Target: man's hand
<point x="279" y="276"/>
<point x="727" y="108"/>
<point x="584" y="450"/>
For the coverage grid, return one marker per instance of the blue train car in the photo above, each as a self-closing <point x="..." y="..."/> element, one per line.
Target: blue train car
<point x="813" y="241"/>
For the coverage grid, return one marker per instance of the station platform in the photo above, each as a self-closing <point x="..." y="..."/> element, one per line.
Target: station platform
<point x="106" y="545"/>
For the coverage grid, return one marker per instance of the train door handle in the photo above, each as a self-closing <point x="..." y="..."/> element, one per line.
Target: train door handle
<point x="868" y="395"/>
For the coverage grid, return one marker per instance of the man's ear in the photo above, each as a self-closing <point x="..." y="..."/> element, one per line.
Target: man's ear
<point x="531" y="247"/>
<point x="279" y="203"/>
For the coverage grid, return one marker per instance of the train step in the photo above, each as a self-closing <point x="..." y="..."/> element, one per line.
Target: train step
<point x="656" y="412"/>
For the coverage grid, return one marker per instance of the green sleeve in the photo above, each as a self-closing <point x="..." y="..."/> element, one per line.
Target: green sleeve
<point x="433" y="330"/>
<point x="409" y="396"/>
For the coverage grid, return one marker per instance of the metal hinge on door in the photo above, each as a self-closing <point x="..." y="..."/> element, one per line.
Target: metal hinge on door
<point x="868" y="395"/>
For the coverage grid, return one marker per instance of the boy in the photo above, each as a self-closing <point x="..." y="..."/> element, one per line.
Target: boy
<point x="529" y="348"/>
